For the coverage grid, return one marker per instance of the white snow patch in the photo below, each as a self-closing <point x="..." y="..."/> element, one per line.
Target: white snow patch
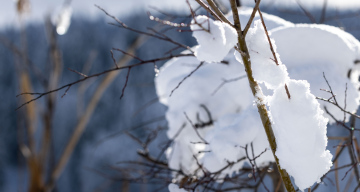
<point x="310" y="50"/>
<point x="215" y="38"/>
<point x="174" y="188"/>
<point x="264" y="68"/>
<point x="300" y="131"/>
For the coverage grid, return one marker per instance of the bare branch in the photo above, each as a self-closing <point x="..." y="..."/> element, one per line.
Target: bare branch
<point x="186" y="78"/>
<point x="252" y="16"/>
<point x="307" y="13"/>
<point x="225" y="81"/>
<point x="77" y="72"/>
<point x="126" y="82"/>
<point x="123" y="25"/>
<point x="96" y="75"/>
<point x="197" y="133"/>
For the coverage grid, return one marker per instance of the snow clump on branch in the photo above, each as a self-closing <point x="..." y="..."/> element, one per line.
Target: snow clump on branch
<point x="297" y="120"/>
<point x="218" y="100"/>
<point x="215" y="38"/>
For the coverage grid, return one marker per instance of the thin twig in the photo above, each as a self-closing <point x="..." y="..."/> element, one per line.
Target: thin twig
<point x="123" y="25"/>
<point x="268" y="37"/>
<point x="307" y="13"/>
<point x="196" y="131"/>
<point x="126" y="82"/>
<point x="113" y="58"/>
<point x="225" y="81"/>
<point x="172" y="91"/>
<point x="77" y="72"/>
<point x="218" y="12"/>
<point x="97" y="75"/>
<point x="252" y="16"/>
<point x="323" y="12"/>
<point x="207" y="8"/>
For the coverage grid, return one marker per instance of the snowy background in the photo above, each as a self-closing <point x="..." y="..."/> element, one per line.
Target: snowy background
<point x="101" y="145"/>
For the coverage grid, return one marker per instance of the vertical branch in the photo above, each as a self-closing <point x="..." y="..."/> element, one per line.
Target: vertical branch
<point x="351" y="149"/>
<point x="271" y="47"/>
<point x="256" y="90"/>
<point x="46" y="155"/>
<point x="238" y="3"/>
<point x="29" y="113"/>
<point x="323" y="12"/>
<point x="84" y="119"/>
<point x="306" y="12"/>
<point x="268" y="37"/>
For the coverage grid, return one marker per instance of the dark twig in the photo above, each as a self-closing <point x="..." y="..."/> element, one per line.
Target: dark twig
<point x="113" y="58"/>
<point x="287" y="91"/>
<point x="334" y="102"/>
<point x="172" y="91"/>
<point x="348" y="171"/>
<point x="208" y="9"/>
<point x="126" y="82"/>
<point x="252" y="16"/>
<point x="272" y="48"/>
<point x="218" y="12"/>
<point x="77" y="72"/>
<point x="307" y="13"/>
<point x="345" y="103"/>
<point x="323" y="12"/>
<point x="126" y="53"/>
<point x="196" y="131"/>
<point x="65" y="92"/>
<point x="123" y="25"/>
<point x="225" y="81"/>
<point x="268" y="37"/>
<point x="96" y="75"/>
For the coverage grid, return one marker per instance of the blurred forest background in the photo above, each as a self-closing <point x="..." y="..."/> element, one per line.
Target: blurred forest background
<point x="34" y="58"/>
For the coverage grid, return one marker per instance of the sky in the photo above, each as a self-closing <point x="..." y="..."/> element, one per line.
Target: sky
<point x="39" y="8"/>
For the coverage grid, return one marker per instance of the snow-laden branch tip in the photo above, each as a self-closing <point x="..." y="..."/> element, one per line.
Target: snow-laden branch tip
<point x="215" y="38"/>
<point x="299" y="123"/>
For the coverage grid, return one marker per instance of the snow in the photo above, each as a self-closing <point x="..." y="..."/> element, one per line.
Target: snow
<point x="318" y="49"/>
<point x="174" y="188"/>
<point x="300" y="131"/>
<point x="63" y="20"/>
<point x="232" y="132"/>
<point x="262" y="59"/>
<point x="270" y="20"/>
<point x="299" y="123"/>
<point x="215" y="38"/>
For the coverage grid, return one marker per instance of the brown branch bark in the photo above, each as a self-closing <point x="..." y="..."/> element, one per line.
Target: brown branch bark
<point x="252" y="16"/>
<point x="218" y="12"/>
<point x="256" y="90"/>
